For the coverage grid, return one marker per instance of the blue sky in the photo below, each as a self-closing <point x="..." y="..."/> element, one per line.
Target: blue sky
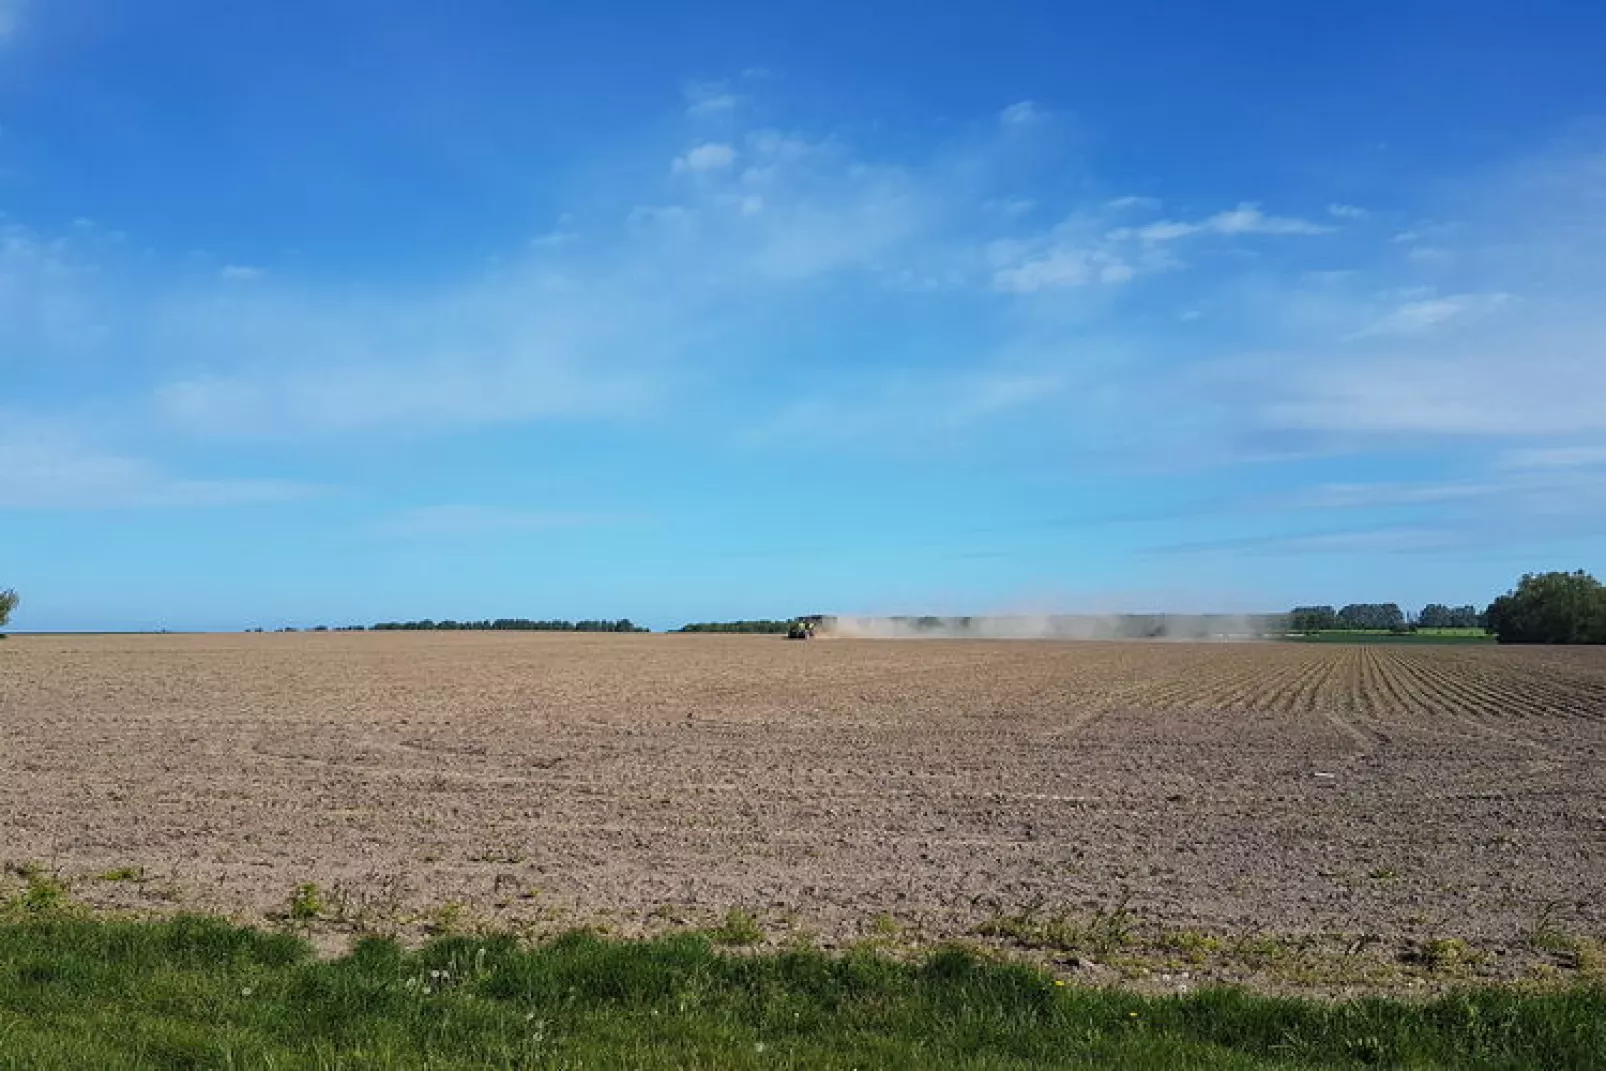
<point x="320" y="312"/>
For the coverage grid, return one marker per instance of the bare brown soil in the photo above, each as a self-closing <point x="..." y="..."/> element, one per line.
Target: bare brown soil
<point x="643" y="781"/>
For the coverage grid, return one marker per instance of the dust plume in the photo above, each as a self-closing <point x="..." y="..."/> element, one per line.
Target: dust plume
<point x="1058" y="627"/>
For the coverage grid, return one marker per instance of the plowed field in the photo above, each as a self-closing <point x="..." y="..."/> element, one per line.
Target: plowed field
<point x="644" y="780"/>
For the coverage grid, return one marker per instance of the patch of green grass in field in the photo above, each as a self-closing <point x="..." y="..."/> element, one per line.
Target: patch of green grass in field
<point x="124" y="873"/>
<point x="191" y="992"/>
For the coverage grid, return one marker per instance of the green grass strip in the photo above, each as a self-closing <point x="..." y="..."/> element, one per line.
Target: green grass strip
<point x="199" y="993"/>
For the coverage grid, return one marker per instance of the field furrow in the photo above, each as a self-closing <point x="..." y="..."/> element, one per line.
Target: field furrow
<point x="548" y="780"/>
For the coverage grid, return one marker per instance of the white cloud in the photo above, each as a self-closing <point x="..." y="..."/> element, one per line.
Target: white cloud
<point x="1061" y="268"/>
<point x="1133" y="202"/>
<point x="1428" y="313"/>
<point x="1342" y="211"/>
<point x="44" y="466"/>
<point x="704" y="99"/>
<point x="52" y="295"/>
<point x="1247" y="218"/>
<point x="1518" y="358"/>
<point x="1528" y="384"/>
<point x="710" y="156"/>
<point x="10" y="18"/>
<point x="240" y="273"/>
<point x="1022" y="113"/>
<point x="782" y="147"/>
<point x="1165" y="231"/>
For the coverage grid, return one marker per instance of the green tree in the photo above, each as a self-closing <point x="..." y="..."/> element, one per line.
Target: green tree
<point x="1434" y="615"/>
<point x="1551" y="608"/>
<point x="8" y="603"/>
<point x="1313" y="619"/>
<point x="1371" y="615"/>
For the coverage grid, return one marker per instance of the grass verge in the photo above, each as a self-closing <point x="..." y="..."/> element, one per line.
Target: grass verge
<point x="193" y="992"/>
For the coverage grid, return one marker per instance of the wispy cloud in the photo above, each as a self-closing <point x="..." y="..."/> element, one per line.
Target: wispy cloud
<point x="902" y="412"/>
<point x="1020" y="114"/>
<point x="710" y="156"/>
<point x="1368" y="496"/>
<point x="1365" y="541"/>
<point x="710" y="99"/>
<point x="1343" y="211"/>
<point x="1514" y="355"/>
<point x="51" y="467"/>
<point x="1084" y="250"/>
<point x="1246" y="218"/>
<point x="1132" y="201"/>
<point x="1555" y="457"/>
<point x="1060" y="267"/>
<point x="1506" y="506"/>
<point x="10" y="18"/>
<point x="1425" y="314"/>
<point x="465" y="520"/>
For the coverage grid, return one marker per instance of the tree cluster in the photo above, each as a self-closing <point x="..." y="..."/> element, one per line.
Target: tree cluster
<point x="762" y="625"/>
<point x="1551" y="608"/>
<point x="1438" y="615"/>
<point x="1374" y="616"/>
<point x="1371" y="615"/>
<point x="8" y="603"/>
<point x="510" y="624"/>
<point x="1313" y="619"/>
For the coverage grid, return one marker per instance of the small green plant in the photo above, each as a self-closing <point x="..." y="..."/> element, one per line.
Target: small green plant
<point x="446" y="920"/>
<point x="884" y="925"/>
<point x="42" y="894"/>
<point x="1570" y="950"/>
<point x="124" y="873"/>
<point x="1446" y="954"/>
<point x="1386" y="874"/>
<point x="307" y="902"/>
<point x="1197" y="947"/>
<point x="1544" y="935"/>
<point x="738" y="928"/>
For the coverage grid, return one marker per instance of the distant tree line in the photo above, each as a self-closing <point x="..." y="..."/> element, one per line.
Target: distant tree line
<point x="1382" y="616"/>
<point x="510" y="624"/>
<point x="763" y="625"/>
<point x="1357" y="615"/>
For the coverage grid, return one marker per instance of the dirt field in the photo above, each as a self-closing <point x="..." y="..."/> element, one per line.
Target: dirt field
<point x="1405" y="792"/>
